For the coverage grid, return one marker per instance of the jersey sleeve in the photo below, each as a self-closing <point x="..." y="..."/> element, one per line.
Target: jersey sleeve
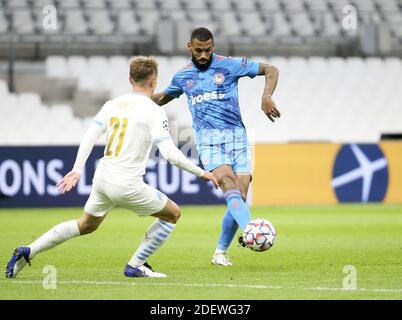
<point x="243" y="67"/>
<point x="159" y="126"/>
<point x="175" y="88"/>
<point x="100" y="118"/>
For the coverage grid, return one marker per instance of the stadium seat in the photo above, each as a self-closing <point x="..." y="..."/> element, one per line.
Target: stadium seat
<point x="364" y="5"/>
<point x="76" y="65"/>
<point x="17" y="4"/>
<point x="75" y="22"/>
<point x="252" y="23"/>
<point x="330" y="28"/>
<point x="95" y="4"/>
<point x="221" y="6"/>
<point x="127" y="23"/>
<point x="8" y="105"/>
<point x="42" y="3"/>
<point x="230" y="24"/>
<point x="268" y="5"/>
<point x="316" y="5"/>
<point x="147" y="5"/>
<point x="388" y="5"/>
<point x="22" y="21"/>
<point x="121" y="4"/>
<point x="394" y="20"/>
<point x="171" y="4"/>
<point x="3" y="23"/>
<point x="241" y="5"/>
<point x="281" y="27"/>
<point x="56" y="67"/>
<point x="196" y="16"/>
<point x="28" y="102"/>
<point x="338" y="5"/>
<point x="148" y="20"/>
<point x="293" y="5"/>
<point x="99" y="22"/>
<point x="70" y="4"/>
<point x="3" y="89"/>
<point x="200" y="5"/>
<point x="302" y="24"/>
<point x="288" y="21"/>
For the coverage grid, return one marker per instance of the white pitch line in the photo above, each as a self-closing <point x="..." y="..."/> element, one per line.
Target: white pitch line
<point x="205" y="285"/>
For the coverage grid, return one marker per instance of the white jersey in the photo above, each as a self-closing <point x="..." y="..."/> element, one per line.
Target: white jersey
<point x="133" y="123"/>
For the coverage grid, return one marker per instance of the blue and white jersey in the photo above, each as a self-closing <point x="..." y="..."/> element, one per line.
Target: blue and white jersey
<point x="212" y="94"/>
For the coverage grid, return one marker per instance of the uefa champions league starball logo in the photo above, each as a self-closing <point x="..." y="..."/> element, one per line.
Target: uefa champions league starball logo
<point x="219" y="78"/>
<point x="360" y="173"/>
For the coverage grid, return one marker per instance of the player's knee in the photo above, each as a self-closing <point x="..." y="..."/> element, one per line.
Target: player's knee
<point x="229" y="182"/>
<point x="86" y="228"/>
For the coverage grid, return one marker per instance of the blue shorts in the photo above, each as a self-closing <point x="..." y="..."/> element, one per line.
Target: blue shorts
<point x="231" y="148"/>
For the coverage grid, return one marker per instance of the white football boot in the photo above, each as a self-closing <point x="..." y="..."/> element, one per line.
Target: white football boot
<point x="221" y="259"/>
<point x="144" y="271"/>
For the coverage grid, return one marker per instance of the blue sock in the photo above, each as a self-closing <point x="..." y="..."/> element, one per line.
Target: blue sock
<point x="237" y="207"/>
<point x="229" y="228"/>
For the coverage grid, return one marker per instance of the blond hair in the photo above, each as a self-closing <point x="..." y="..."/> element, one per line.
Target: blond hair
<point x="141" y="68"/>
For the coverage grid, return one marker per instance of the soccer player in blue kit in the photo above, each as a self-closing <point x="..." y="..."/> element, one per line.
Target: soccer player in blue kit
<point x="210" y="82"/>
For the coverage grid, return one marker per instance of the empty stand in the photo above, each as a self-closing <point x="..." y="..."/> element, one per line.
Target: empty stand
<point x="231" y="19"/>
<point x="321" y="99"/>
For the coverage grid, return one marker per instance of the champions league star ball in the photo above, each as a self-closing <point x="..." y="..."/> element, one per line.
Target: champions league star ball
<point x="259" y="235"/>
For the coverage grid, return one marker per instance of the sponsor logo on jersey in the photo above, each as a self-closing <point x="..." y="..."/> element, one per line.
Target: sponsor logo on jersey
<point x="214" y="95"/>
<point x="219" y="78"/>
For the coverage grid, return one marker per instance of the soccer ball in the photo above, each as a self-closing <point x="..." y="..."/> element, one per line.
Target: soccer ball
<point x="259" y="235"/>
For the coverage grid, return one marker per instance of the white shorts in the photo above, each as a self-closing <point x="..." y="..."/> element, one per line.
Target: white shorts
<point x="134" y="195"/>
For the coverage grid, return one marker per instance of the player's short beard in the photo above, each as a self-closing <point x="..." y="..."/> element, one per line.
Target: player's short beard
<point x="202" y="67"/>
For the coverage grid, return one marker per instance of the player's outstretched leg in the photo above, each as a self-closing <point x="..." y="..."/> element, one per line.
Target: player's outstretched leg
<point x="154" y="238"/>
<point x="55" y="236"/>
<point x="229" y="229"/>
<point x="19" y="259"/>
<point x="235" y="189"/>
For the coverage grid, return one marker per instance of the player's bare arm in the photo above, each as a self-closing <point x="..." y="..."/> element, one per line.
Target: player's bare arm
<point x="271" y="79"/>
<point x="161" y="98"/>
<point x="71" y="179"/>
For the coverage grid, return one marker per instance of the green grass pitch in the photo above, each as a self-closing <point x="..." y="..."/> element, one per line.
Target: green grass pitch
<point x="313" y="246"/>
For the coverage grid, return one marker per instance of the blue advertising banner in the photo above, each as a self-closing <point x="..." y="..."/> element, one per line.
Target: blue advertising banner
<point x="28" y="178"/>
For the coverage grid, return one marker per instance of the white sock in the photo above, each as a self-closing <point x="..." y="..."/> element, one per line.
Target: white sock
<point x="154" y="238"/>
<point x="55" y="236"/>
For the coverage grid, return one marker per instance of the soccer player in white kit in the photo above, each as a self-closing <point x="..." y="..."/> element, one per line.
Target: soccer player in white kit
<point x="132" y="123"/>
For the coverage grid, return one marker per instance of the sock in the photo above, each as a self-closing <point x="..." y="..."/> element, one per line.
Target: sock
<point x="55" y="236"/>
<point x="229" y="228"/>
<point x="237" y="207"/>
<point x="154" y="238"/>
